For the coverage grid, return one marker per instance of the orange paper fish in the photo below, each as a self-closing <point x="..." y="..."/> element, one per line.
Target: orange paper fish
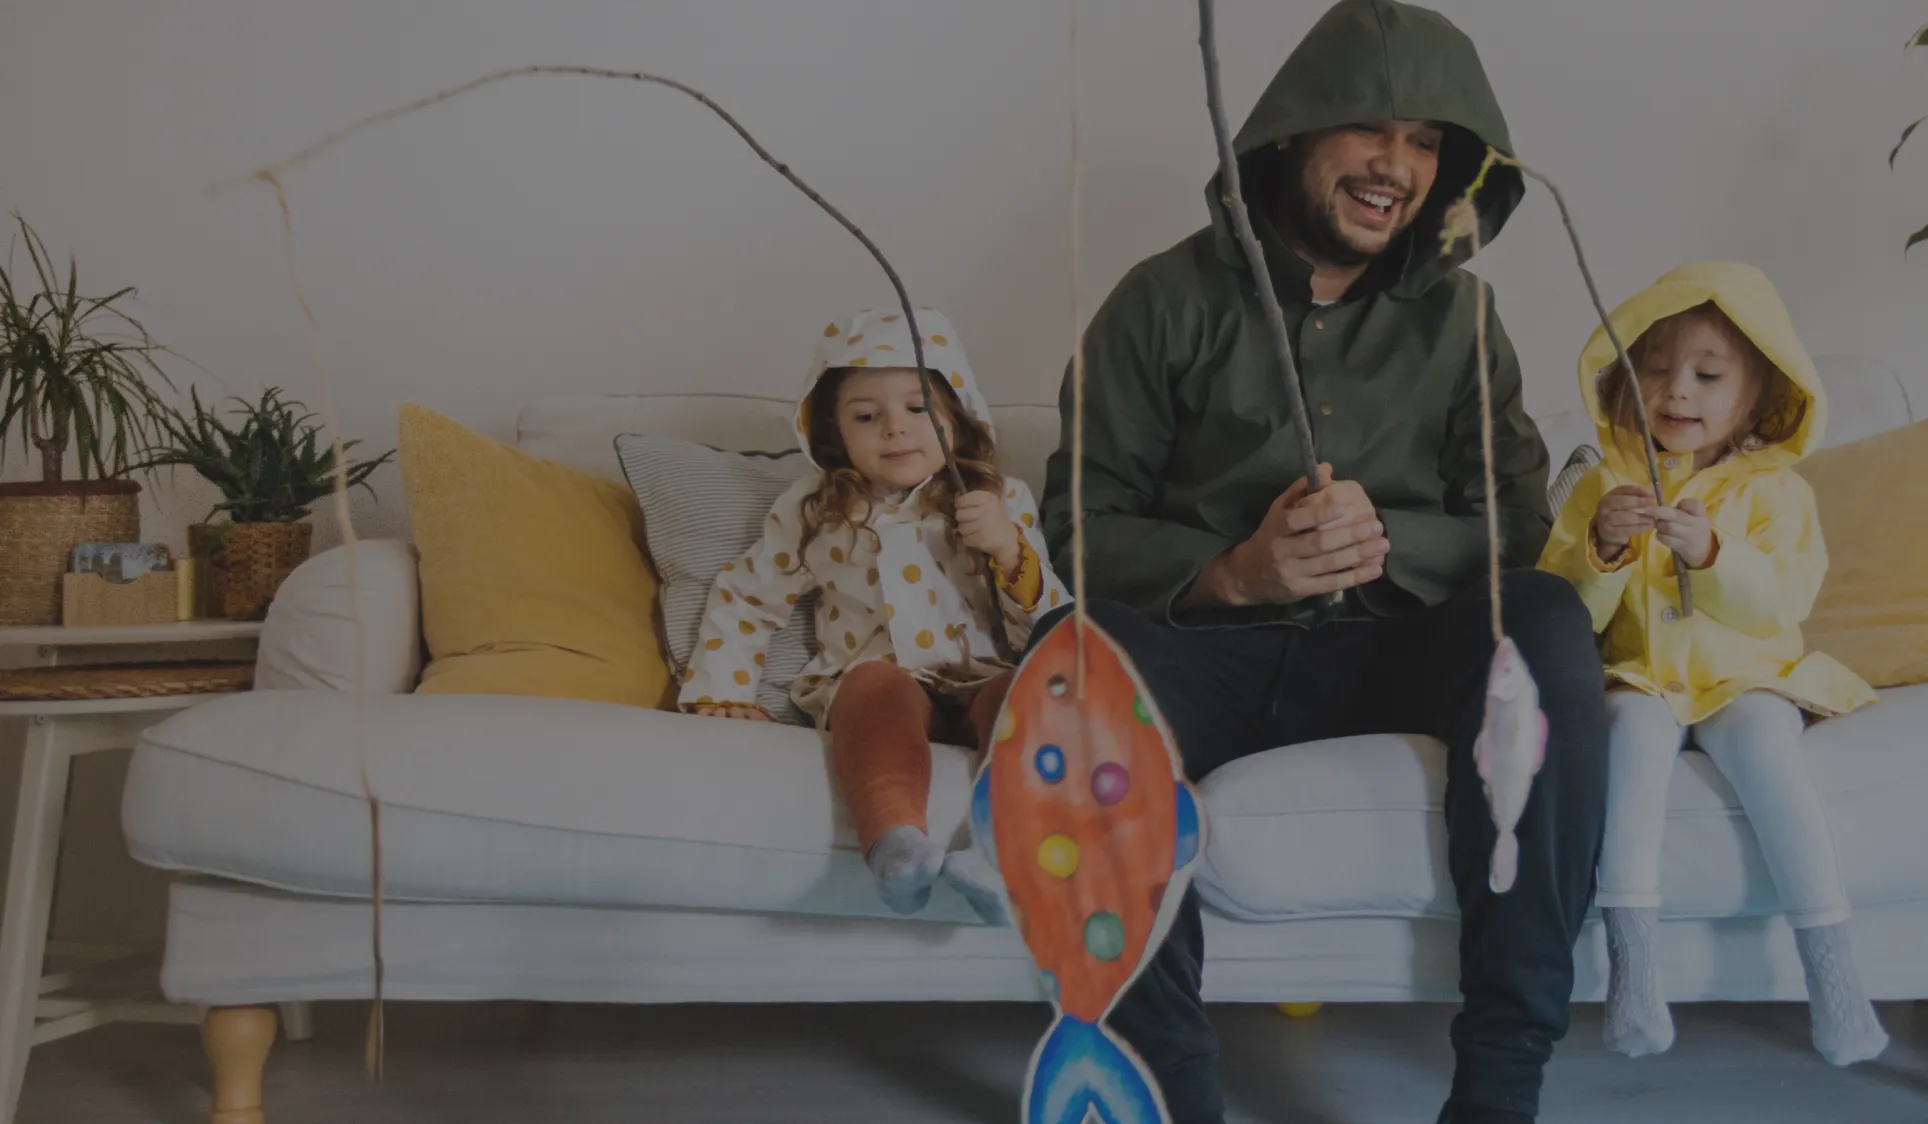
<point x="1082" y="805"/>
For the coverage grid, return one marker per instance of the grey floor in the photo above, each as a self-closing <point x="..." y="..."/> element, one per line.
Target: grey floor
<point x="944" y="1064"/>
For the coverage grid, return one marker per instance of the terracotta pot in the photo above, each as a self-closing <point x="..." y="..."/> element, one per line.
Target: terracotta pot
<point x="258" y="557"/>
<point x="41" y="524"/>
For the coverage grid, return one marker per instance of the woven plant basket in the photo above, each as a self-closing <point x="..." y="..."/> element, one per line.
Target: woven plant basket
<point x="41" y="524"/>
<point x="258" y="558"/>
<point x="207" y="545"/>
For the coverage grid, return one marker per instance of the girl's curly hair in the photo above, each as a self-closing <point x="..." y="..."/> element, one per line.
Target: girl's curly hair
<point x="1772" y="415"/>
<point x="843" y="499"/>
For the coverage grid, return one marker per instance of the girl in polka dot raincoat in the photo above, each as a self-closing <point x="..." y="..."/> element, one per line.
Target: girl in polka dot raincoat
<point x="906" y="649"/>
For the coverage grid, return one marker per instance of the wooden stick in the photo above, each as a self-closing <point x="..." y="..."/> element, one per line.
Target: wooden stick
<point x="1232" y="195"/>
<point x="274" y="172"/>
<point x="1494" y="156"/>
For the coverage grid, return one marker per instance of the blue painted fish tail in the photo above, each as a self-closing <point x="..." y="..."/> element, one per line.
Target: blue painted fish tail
<point x="1083" y="1071"/>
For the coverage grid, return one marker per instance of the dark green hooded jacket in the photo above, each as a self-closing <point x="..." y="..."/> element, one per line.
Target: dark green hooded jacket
<point x="1189" y="435"/>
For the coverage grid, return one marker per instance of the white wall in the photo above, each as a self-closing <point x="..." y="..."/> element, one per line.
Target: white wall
<point x="558" y="235"/>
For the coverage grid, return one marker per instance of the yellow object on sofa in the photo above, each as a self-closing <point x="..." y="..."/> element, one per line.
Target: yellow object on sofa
<point x="534" y="579"/>
<point x="1872" y="613"/>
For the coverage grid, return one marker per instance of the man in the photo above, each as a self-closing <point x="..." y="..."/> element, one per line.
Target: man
<point x="1211" y="564"/>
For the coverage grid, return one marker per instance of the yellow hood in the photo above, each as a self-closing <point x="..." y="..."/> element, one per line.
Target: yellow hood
<point x="1748" y="298"/>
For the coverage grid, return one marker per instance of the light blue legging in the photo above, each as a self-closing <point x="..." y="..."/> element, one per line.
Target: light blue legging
<point x="1755" y="742"/>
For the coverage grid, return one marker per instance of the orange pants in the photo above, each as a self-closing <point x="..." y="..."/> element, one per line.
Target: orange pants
<point x="881" y="725"/>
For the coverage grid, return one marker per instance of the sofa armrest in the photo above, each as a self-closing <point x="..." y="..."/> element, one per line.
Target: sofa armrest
<point x="308" y="640"/>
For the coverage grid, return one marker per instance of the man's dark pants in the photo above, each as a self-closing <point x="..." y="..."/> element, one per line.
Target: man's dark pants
<point x="1230" y="693"/>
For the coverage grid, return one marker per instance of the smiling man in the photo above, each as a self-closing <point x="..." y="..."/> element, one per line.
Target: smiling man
<point x="1211" y="565"/>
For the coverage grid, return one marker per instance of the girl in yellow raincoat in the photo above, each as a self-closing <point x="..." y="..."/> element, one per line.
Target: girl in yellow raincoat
<point x="1733" y="401"/>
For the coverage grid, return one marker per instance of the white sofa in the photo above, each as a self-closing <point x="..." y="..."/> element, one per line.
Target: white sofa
<point x="555" y="850"/>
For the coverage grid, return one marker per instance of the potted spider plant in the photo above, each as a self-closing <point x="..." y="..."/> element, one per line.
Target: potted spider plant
<point x="270" y="464"/>
<point x="75" y="385"/>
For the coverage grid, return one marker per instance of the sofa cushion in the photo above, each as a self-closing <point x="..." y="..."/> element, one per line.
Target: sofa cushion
<point x="553" y="801"/>
<point x="505" y="799"/>
<point x="1872" y="612"/>
<point x="533" y="580"/>
<point x="705" y="508"/>
<point x="1355" y="827"/>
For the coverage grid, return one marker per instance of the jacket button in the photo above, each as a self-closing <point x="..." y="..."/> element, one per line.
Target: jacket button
<point x="1319" y="324"/>
<point x="1669" y="462"/>
<point x="1670" y="614"/>
<point x="1676" y="687"/>
<point x="1325" y="408"/>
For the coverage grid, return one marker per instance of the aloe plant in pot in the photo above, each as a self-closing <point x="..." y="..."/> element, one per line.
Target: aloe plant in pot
<point x="271" y="466"/>
<point x="75" y="376"/>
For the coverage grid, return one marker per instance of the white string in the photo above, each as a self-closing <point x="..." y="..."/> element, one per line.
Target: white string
<point x="1077" y="370"/>
<point x="1486" y="452"/>
<point x="351" y="553"/>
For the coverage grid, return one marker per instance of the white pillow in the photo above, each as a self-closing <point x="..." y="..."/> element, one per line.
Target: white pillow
<point x="702" y="508"/>
<point x="308" y="640"/>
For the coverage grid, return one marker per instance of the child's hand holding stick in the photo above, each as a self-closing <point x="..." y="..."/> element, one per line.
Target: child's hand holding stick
<point x="984" y="526"/>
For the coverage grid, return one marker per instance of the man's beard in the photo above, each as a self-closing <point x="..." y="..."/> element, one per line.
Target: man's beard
<point x="1311" y="222"/>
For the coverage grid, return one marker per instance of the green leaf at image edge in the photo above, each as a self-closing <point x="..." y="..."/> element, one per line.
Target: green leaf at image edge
<point x="1905" y="134"/>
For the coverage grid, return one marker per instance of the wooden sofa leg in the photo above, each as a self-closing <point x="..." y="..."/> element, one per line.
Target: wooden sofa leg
<point x="237" y="1040"/>
<point x="297" y="1021"/>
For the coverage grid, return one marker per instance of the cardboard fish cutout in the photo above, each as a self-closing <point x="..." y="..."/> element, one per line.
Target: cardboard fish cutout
<point x="1082" y="805"/>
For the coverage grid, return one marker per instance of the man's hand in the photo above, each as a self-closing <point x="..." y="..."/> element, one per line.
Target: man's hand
<point x="748" y="713"/>
<point x="1686" y="531"/>
<point x="1619" y="516"/>
<point x="984" y="526"/>
<point x="1309" y="544"/>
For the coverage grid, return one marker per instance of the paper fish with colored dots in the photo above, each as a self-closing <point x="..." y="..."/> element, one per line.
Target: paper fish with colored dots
<point x="1082" y="805"/>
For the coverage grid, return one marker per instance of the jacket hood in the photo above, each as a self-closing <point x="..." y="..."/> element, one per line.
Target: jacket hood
<point x="881" y="338"/>
<point x="1377" y="60"/>
<point x="1749" y="299"/>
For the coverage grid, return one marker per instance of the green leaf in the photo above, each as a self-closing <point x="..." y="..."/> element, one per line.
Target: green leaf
<point x="1905" y="134"/>
<point x="1918" y="39"/>
<point x="1918" y="236"/>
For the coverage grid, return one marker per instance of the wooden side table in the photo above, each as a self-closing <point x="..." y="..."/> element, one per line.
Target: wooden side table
<point x="33" y="1009"/>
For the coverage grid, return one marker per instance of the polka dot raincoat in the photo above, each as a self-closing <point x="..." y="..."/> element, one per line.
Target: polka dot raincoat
<point x="908" y="594"/>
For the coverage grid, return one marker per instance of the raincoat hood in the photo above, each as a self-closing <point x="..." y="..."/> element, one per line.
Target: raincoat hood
<point x="1748" y="298"/>
<point x="881" y="338"/>
<point x="1377" y="60"/>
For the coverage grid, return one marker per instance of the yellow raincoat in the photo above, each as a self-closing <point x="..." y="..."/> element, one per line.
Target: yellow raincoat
<point x="1745" y="631"/>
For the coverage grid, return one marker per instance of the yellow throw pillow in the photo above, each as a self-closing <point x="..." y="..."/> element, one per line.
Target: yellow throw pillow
<point x="1872" y="613"/>
<point x="534" y="580"/>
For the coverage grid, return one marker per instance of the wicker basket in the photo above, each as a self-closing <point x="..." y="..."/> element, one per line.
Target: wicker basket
<point x="125" y="681"/>
<point x="258" y="558"/>
<point x="206" y="544"/>
<point x="41" y="524"/>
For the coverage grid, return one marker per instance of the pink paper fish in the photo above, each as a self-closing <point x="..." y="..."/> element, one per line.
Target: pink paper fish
<point x="1509" y="752"/>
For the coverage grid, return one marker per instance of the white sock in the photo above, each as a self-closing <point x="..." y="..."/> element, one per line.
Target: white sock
<point x="1846" y="1029"/>
<point x="972" y="875"/>
<point x="906" y="863"/>
<point x="1638" y="1023"/>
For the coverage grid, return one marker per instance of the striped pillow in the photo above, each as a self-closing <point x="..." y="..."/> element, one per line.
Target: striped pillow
<point x="702" y="508"/>
<point x="1577" y="465"/>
